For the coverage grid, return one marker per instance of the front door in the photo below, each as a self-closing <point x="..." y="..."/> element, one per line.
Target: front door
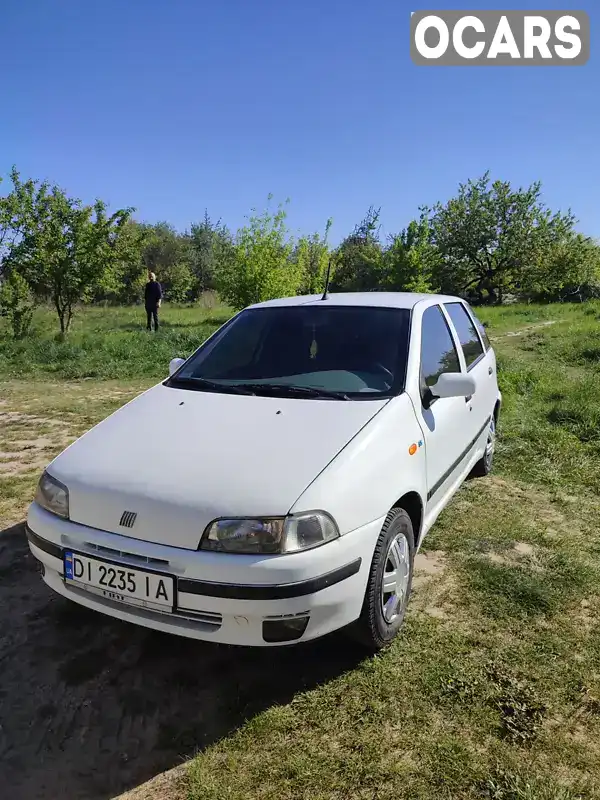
<point x="444" y="421"/>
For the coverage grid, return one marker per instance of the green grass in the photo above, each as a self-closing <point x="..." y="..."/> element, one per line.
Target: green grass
<point x="550" y="378"/>
<point x="492" y="689"/>
<point x="107" y="343"/>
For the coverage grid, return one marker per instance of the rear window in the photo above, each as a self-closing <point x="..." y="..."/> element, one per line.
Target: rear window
<point x="481" y="329"/>
<point x="467" y="333"/>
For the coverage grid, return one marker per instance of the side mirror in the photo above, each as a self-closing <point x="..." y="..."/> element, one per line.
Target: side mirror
<point x="453" y="384"/>
<point x="174" y="364"/>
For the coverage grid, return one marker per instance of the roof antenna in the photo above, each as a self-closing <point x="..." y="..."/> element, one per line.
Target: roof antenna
<point x="327" y="280"/>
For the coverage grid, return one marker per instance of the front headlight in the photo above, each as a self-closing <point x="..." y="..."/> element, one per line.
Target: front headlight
<point x="270" y="535"/>
<point x="53" y="496"/>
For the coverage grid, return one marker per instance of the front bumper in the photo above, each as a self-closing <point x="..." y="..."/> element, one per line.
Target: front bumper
<point x="326" y="584"/>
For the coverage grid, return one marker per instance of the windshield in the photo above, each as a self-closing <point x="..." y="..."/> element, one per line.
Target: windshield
<point x="312" y="351"/>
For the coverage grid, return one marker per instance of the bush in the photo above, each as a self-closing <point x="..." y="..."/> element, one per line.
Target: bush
<point x="259" y="266"/>
<point x="16" y="303"/>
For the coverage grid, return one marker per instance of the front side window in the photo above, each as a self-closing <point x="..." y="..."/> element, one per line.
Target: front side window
<point x="467" y="334"/>
<point x="313" y="350"/>
<point x="438" y="353"/>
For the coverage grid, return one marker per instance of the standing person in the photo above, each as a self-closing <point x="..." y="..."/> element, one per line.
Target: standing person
<point x="152" y="298"/>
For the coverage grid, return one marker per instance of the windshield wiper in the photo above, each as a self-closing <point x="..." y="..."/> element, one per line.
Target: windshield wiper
<point x="290" y="389"/>
<point x="215" y="386"/>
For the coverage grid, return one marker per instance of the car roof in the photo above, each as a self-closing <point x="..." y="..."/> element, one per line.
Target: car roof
<point x="373" y="299"/>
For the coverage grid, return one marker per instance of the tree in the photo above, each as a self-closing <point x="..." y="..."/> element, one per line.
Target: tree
<point x="411" y="260"/>
<point x="163" y="248"/>
<point x="126" y="276"/>
<point x="569" y="269"/>
<point x="311" y="256"/>
<point x="489" y="235"/>
<point x="16" y="303"/>
<point x="16" y="212"/>
<point x="208" y="242"/>
<point x="7" y="227"/>
<point x="259" y="266"/>
<point x="359" y="258"/>
<point x="180" y="283"/>
<point x="67" y="250"/>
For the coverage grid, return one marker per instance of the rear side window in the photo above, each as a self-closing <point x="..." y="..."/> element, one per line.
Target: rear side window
<point x="481" y="329"/>
<point x="467" y="333"/>
<point x="438" y="353"/>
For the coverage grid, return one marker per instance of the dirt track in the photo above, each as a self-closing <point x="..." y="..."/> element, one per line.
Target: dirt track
<point x="91" y="707"/>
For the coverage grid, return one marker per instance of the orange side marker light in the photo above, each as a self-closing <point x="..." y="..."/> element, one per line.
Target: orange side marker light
<point x="412" y="449"/>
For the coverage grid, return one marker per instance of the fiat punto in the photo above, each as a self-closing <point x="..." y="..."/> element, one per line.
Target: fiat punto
<point x="277" y="485"/>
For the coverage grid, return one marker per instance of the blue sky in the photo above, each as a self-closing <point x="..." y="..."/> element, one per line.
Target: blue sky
<point x="174" y="106"/>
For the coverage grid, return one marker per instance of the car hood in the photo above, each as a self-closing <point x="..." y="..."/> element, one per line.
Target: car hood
<point x="180" y="459"/>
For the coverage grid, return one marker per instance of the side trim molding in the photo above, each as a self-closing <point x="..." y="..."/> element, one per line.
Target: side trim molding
<point x="282" y="591"/>
<point x="438" y="484"/>
<point x="43" y="544"/>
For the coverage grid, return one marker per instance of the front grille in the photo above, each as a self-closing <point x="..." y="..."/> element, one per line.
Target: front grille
<point x="182" y="618"/>
<point x="110" y="552"/>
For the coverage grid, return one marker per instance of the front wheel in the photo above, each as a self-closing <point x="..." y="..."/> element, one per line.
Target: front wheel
<point x="390" y="581"/>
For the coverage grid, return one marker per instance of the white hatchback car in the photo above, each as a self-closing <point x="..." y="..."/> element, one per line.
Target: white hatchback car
<point x="278" y="484"/>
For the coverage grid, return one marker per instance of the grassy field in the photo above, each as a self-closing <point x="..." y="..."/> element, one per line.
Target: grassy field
<point x="493" y="688"/>
<point x="107" y="343"/>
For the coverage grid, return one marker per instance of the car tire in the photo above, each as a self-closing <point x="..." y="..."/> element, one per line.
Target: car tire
<point x="484" y="466"/>
<point x="385" y="601"/>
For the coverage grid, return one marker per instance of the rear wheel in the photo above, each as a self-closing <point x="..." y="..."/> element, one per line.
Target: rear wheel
<point x="484" y="466"/>
<point x="390" y="581"/>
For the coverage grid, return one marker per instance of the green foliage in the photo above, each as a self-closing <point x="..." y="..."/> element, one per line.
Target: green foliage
<point x="311" y="256"/>
<point x="180" y="283"/>
<point x="66" y="250"/>
<point x="18" y="211"/>
<point x="163" y="248"/>
<point x="164" y="252"/>
<point x="359" y="258"/>
<point x="490" y="235"/>
<point x="124" y="281"/>
<point x="210" y="243"/>
<point x="259" y="266"/>
<point x="16" y="303"/>
<point x="567" y="269"/>
<point x="184" y="263"/>
<point x="490" y="243"/>
<point x="411" y="261"/>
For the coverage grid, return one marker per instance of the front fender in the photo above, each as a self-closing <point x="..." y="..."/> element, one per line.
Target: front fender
<point x="372" y="471"/>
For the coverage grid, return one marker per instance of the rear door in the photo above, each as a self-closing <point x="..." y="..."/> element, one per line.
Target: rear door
<point x="479" y="362"/>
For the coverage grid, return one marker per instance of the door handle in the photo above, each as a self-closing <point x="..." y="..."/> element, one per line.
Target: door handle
<point x="490" y="370"/>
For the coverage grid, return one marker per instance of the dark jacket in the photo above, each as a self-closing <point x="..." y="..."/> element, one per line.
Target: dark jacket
<point x="152" y="294"/>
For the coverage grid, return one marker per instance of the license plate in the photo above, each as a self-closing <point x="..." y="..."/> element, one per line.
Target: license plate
<point x="120" y="583"/>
